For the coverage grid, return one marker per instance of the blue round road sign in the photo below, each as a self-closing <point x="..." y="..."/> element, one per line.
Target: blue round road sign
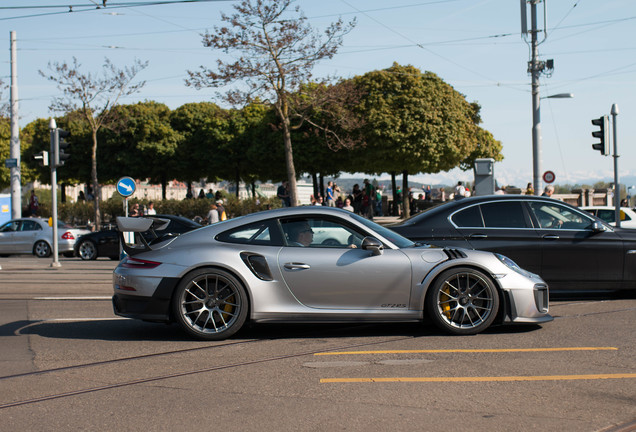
<point x="126" y="186"/>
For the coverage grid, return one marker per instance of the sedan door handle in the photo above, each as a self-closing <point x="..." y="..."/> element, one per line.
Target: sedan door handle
<point x="550" y="237"/>
<point x="478" y="236"/>
<point x="296" y="266"/>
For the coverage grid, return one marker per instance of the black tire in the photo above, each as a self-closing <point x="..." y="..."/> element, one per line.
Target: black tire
<point x="87" y="250"/>
<point x="41" y="249"/>
<point x="462" y="301"/>
<point x="210" y="304"/>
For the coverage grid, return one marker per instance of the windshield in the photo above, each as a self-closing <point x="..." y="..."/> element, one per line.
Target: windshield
<point x="388" y="234"/>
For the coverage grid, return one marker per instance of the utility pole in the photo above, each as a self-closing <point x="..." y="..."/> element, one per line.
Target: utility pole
<point x="535" y="68"/>
<point x="14" y="149"/>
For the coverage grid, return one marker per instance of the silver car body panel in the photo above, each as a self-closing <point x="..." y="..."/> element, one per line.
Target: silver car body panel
<point x="325" y="284"/>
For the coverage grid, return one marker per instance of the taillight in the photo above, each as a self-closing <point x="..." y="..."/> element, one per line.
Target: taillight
<point x="68" y="236"/>
<point x="129" y="262"/>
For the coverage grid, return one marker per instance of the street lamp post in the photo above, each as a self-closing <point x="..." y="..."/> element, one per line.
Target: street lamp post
<point x="536" y="131"/>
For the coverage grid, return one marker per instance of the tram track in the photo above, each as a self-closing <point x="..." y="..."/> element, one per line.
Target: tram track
<point x="161" y="377"/>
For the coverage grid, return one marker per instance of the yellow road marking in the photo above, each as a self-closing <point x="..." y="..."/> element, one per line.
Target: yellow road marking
<point x="480" y="379"/>
<point x="439" y="351"/>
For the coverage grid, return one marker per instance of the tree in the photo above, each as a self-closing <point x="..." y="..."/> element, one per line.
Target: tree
<point x="416" y="123"/>
<point x="278" y="54"/>
<point x="5" y="148"/>
<point x="93" y="96"/>
<point x="203" y="127"/>
<point x="137" y="134"/>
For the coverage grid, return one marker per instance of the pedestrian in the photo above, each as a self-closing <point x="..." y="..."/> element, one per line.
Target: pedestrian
<point x="529" y="189"/>
<point x="151" y="209"/>
<point x="331" y="202"/>
<point x="460" y="191"/>
<point x="34" y="204"/>
<point x="221" y="210"/>
<point x="347" y="205"/>
<point x="548" y="191"/>
<point x="283" y="194"/>
<point x="134" y="211"/>
<point x="357" y="198"/>
<point x="213" y="214"/>
<point x="369" y="191"/>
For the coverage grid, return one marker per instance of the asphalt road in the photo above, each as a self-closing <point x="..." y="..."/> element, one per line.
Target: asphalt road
<point x="67" y="363"/>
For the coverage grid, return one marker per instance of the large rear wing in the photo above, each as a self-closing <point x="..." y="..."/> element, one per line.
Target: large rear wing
<point x="137" y="226"/>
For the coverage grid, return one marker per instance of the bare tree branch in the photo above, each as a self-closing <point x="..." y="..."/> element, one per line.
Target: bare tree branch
<point x="94" y="96"/>
<point x="279" y="51"/>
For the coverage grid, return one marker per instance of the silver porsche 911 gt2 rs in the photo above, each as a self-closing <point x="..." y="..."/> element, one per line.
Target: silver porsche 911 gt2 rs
<point x="315" y="264"/>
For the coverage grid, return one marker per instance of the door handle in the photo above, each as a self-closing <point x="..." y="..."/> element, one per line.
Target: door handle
<point x="550" y="237"/>
<point x="296" y="266"/>
<point x="478" y="236"/>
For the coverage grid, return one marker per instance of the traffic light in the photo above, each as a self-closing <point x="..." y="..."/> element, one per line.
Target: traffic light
<point x="60" y="146"/>
<point x="602" y="134"/>
<point x="43" y="157"/>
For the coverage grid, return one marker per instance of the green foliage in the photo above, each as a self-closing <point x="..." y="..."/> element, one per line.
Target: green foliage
<point x="5" y="151"/>
<point x="417" y="123"/>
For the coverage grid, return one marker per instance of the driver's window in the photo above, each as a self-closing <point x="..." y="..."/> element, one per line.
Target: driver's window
<point x="11" y="227"/>
<point x="555" y="216"/>
<point x="316" y="232"/>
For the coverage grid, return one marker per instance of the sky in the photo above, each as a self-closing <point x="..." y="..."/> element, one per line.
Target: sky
<point x="476" y="46"/>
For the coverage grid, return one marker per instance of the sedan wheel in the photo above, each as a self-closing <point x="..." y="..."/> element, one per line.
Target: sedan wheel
<point x="87" y="250"/>
<point x="210" y="304"/>
<point x="462" y="301"/>
<point x="41" y="249"/>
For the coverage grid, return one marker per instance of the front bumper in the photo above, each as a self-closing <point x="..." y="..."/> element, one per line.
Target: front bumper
<point x="527" y="306"/>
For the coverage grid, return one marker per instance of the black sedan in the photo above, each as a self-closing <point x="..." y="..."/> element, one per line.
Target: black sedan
<point x="569" y="248"/>
<point x="106" y="243"/>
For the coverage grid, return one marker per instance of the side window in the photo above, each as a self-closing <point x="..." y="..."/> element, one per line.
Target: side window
<point x="30" y="226"/>
<point x="468" y="218"/>
<point x="11" y="227"/>
<point x="504" y="215"/>
<point x="264" y="233"/>
<point x="317" y="232"/>
<point x="607" y="215"/>
<point x="555" y="216"/>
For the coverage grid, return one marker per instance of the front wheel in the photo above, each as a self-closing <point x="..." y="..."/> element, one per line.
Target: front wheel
<point x="462" y="301"/>
<point x="41" y="249"/>
<point x="210" y="304"/>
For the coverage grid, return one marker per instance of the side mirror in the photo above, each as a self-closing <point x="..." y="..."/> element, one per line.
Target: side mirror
<point x="372" y="244"/>
<point x="597" y="227"/>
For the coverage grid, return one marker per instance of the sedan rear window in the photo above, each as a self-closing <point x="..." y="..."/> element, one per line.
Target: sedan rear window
<point x="503" y="215"/>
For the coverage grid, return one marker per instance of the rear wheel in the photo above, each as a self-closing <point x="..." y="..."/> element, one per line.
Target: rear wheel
<point x="210" y="304"/>
<point x="41" y="249"/>
<point x="87" y="250"/>
<point x="462" y="301"/>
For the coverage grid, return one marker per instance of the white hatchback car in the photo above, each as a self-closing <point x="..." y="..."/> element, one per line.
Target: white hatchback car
<point x="607" y="213"/>
<point x="34" y="235"/>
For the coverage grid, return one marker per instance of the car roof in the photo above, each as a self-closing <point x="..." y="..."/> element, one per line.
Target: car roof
<point x="453" y="205"/>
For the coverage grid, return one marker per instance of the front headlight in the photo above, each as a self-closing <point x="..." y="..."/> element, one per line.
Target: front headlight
<point x="514" y="266"/>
